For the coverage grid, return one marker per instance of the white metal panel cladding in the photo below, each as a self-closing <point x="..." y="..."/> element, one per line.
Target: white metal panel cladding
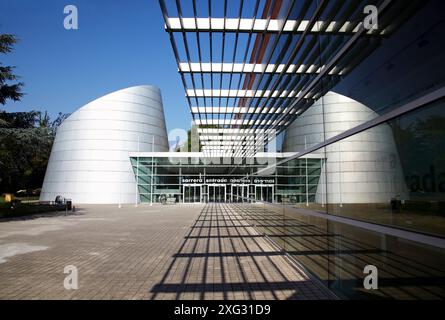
<point x="90" y="162"/>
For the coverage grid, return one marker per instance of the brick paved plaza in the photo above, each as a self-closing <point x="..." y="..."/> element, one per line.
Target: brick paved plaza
<point x="160" y="252"/>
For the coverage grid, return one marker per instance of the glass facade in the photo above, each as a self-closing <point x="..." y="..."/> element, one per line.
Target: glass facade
<point x="191" y="179"/>
<point x="401" y="187"/>
<point x="417" y="164"/>
<point x="337" y="253"/>
<point x="380" y="198"/>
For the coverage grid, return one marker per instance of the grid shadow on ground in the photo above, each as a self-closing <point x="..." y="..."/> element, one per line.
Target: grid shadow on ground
<point x="222" y="257"/>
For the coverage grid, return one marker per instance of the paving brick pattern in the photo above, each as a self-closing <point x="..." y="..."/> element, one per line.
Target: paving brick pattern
<point x="159" y="252"/>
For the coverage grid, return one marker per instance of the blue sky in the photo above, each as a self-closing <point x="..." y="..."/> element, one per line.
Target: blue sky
<point x="118" y="44"/>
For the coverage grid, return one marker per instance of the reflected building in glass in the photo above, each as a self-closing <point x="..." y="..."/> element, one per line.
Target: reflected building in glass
<point x="362" y="169"/>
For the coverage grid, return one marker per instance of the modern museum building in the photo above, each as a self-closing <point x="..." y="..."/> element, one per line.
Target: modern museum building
<point x="296" y="105"/>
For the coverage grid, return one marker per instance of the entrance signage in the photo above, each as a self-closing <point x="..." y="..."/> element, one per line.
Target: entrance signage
<point x="228" y="180"/>
<point x="264" y="181"/>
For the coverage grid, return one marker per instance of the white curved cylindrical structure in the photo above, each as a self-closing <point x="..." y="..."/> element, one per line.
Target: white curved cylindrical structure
<point x="364" y="168"/>
<point x="90" y="162"/>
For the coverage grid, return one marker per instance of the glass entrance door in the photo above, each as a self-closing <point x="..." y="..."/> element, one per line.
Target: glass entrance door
<point x="217" y="192"/>
<point x="191" y="193"/>
<point x="239" y="192"/>
<point x="264" y="193"/>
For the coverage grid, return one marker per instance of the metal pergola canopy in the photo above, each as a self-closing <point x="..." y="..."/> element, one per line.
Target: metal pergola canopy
<point x="259" y="64"/>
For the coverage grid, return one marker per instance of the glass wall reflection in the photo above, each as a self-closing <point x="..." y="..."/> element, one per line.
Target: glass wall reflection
<point x="392" y="175"/>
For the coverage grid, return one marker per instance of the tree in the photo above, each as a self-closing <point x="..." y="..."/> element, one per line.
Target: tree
<point x="19" y="120"/>
<point x="8" y="90"/>
<point x="57" y="122"/>
<point x="44" y="120"/>
<point x="26" y="139"/>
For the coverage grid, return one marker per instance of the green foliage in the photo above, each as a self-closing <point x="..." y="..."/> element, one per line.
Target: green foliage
<point x="8" y="90"/>
<point x="19" y="120"/>
<point x="26" y="140"/>
<point x="26" y="209"/>
<point x="192" y="135"/>
<point x="24" y="154"/>
<point x="6" y="42"/>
